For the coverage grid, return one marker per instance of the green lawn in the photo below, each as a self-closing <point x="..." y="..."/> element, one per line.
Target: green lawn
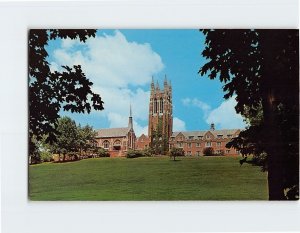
<point x="203" y="178"/>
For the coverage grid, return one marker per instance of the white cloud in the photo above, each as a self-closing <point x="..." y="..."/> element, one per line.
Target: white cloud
<point x="118" y="68"/>
<point x="178" y="125"/>
<point x="197" y="103"/>
<point x="225" y="116"/>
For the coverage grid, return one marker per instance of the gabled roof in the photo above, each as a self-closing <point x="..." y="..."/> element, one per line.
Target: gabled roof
<point x="112" y="132"/>
<point x="196" y="134"/>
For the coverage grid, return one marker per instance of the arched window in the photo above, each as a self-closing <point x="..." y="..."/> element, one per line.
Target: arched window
<point x="161" y="105"/>
<point x="117" y="145"/>
<point x="155" y="105"/>
<point x="106" y="144"/>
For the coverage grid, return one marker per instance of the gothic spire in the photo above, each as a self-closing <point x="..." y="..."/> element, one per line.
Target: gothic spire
<point x="130" y="125"/>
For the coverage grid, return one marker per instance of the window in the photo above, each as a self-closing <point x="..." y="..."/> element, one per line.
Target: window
<point x="207" y="137"/>
<point x="227" y="151"/>
<point x="200" y="137"/>
<point x="189" y="153"/>
<point x="229" y="135"/>
<point x="155" y="105"/>
<point x="191" y="137"/>
<point x="146" y="146"/>
<point x="208" y="144"/>
<point x="106" y="144"/>
<point x="180" y="144"/>
<point x="219" y="144"/>
<point x="198" y="144"/>
<point x="189" y="145"/>
<point x="220" y="136"/>
<point x="161" y="105"/>
<point x="198" y="153"/>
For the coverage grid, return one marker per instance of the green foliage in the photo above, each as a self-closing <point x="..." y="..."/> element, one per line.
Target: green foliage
<point x="134" y="154"/>
<point x="260" y="159"/>
<point x="101" y="152"/>
<point x="86" y="138"/>
<point x="208" y="151"/>
<point x="46" y="156"/>
<point x="49" y="92"/>
<point x="175" y="152"/>
<point x="261" y="69"/>
<point x="148" y="178"/>
<point x="66" y="137"/>
<point x="159" y="141"/>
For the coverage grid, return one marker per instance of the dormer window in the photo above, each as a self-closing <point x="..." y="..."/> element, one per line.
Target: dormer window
<point x="220" y="136"/>
<point x="191" y="137"/>
<point x="229" y="135"/>
<point x="207" y="137"/>
<point x="200" y="137"/>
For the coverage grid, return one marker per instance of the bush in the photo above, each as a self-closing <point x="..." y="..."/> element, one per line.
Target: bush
<point x="176" y="152"/>
<point x="46" y="156"/>
<point x="101" y="152"/>
<point x="134" y="154"/>
<point x="208" y="151"/>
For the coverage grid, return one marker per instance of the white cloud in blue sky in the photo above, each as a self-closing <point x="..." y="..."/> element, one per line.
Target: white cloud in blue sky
<point x="120" y="63"/>
<point x="118" y="68"/>
<point x="224" y="116"/>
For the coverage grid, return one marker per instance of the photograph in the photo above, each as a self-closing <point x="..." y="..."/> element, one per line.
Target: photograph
<point x="163" y="114"/>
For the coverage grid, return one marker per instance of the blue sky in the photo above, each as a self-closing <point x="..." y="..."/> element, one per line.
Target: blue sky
<point x="120" y="63"/>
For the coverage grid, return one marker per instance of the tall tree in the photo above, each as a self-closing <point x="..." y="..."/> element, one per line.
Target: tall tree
<point x="261" y="67"/>
<point x="66" y="137"/>
<point x="50" y="91"/>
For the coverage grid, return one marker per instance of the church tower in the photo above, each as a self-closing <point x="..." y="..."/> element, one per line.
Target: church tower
<point x="160" y="111"/>
<point x="131" y="135"/>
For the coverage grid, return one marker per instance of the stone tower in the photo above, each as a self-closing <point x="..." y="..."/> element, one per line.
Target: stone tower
<point x="161" y="109"/>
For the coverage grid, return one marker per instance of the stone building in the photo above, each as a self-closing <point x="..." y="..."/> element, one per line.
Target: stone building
<point x="117" y="141"/>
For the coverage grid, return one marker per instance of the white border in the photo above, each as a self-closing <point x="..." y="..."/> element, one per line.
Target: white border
<point x="21" y="215"/>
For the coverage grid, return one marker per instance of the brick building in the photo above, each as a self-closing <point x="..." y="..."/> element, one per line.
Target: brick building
<point x="117" y="140"/>
<point x="192" y="142"/>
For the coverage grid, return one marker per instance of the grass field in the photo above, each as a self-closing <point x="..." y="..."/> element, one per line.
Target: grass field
<point x="203" y="178"/>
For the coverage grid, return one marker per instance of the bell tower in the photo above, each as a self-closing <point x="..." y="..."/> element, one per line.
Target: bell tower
<point x="160" y="111"/>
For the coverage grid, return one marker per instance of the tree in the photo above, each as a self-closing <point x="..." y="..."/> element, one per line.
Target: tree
<point x="208" y="151"/>
<point x="260" y="67"/>
<point x="86" y="138"/>
<point x="66" y="137"/>
<point x="50" y="91"/>
<point x="176" y="152"/>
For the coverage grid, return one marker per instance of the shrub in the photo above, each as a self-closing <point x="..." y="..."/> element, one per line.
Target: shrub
<point x="208" y="151"/>
<point x="101" y="152"/>
<point x="46" y="156"/>
<point x="176" y="152"/>
<point x="134" y="154"/>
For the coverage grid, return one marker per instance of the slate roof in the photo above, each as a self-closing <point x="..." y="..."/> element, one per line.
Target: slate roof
<point x="223" y="132"/>
<point x="112" y="132"/>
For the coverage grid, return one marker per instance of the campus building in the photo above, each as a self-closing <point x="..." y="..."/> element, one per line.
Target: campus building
<point x="117" y="141"/>
<point x="192" y="142"/>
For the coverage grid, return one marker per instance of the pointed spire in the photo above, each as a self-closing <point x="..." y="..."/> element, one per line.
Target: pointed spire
<point x="152" y="84"/>
<point x="130" y="112"/>
<point x="166" y="81"/>
<point x="157" y="85"/>
<point x="130" y="125"/>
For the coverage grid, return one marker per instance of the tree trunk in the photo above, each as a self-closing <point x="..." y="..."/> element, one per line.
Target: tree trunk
<point x="273" y="142"/>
